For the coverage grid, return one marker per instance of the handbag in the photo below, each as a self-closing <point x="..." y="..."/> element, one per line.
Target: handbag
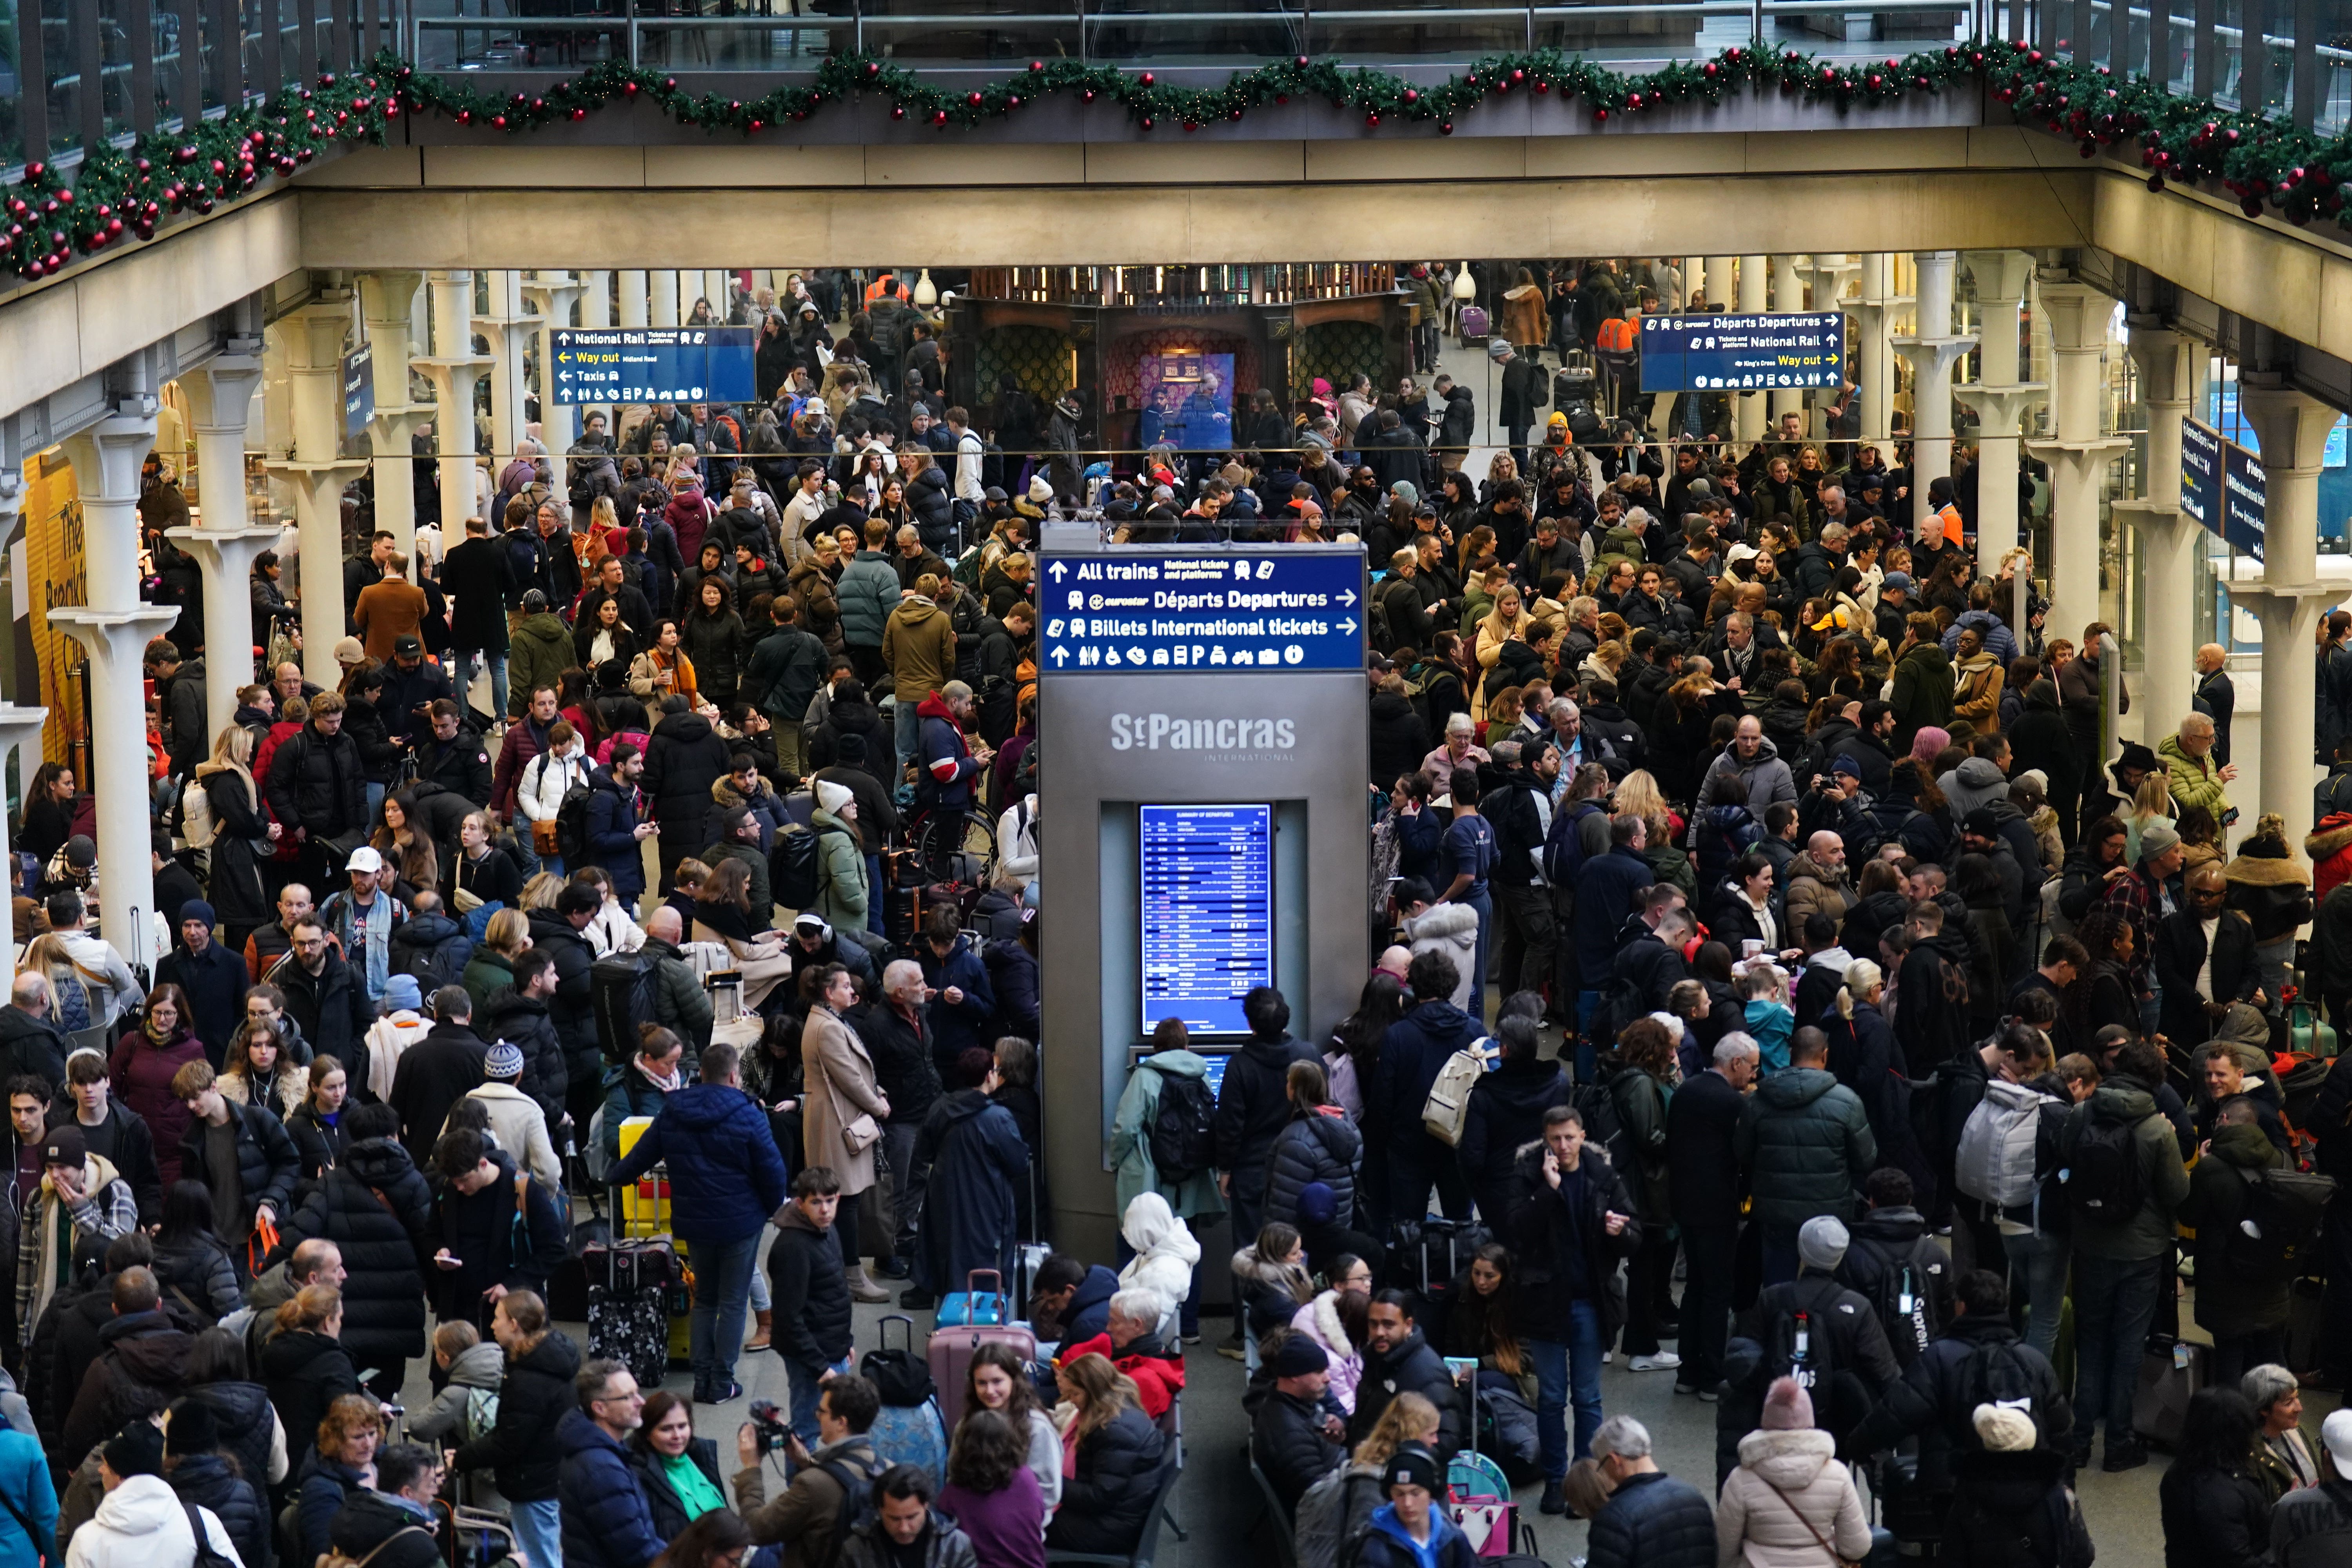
<point x="543" y="836"/>
<point x="1840" y="1558"/>
<point x="862" y="1133"/>
<point x="265" y="1232"/>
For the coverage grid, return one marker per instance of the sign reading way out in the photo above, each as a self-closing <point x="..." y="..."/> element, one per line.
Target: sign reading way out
<point x="654" y="365"/>
<point x="1266" y="610"/>
<point x="1714" y="353"/>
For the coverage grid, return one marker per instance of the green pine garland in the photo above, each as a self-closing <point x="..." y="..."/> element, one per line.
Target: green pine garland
<point x="123" y="195"/>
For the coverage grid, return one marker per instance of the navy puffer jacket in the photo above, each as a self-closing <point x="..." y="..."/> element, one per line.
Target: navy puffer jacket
<point x="1104" y="1505"/>
<point x="204" y="1479"/>
<point x="1318" y="1145"/>
<point x="726" y="1176"/>
<point x="606" y="1521"/>
<point x="383" y="1296"/>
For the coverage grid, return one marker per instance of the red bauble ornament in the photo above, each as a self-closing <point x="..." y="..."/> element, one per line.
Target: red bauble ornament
<point x="1445" y="128"/>
<point x="1374" y="117"/>
<point x="1601" y="114"/>
<point x="897" y="112"/>
<point x="973" y="99"/>
<point x="1411" y="96"/>
<point x="1145" y="78"/>
<point x="1147" y="123"/>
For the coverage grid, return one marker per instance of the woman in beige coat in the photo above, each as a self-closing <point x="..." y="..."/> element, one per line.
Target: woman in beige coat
<point x="1790" y="1504"/>
<point x="842" y="1108"/>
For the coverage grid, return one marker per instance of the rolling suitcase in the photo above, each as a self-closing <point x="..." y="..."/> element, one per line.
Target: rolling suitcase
<point x="949" y="1352"/>
<point x="2169" y="1377"/>
<point x="629" y="1294"/>
<point x="1474" y="322"/>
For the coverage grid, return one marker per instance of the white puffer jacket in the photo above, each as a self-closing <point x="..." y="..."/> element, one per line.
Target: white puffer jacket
<point x="142" y="1525"/>
<point x="545" y="778"/>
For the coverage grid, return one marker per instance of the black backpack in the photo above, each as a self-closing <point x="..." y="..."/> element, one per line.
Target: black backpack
<point x="1181" y="1145"/>
<point x="1898" y="1288"/>
<point x="572" y="825"/>
<point x="796" y="867"/>
<point x="857" y="1497"/>
<point x="2288" y="1208"/>
<point x="1796" y="1345"/>
<point x="620" y="997"/>
<point x="2102" y="1175"/>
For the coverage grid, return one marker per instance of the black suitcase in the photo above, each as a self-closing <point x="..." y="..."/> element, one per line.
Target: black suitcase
<point x="1428" y="1252"/>
<point x="1574" y="384"/>
<point x="632" y="1327"/>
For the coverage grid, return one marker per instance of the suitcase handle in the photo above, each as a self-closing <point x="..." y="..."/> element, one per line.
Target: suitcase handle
<point x="971" y="1281"/>
<point x="882" y="1330"/>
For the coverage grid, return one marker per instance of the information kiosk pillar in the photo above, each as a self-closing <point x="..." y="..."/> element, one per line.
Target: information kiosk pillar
<point x="1203" y="824"/>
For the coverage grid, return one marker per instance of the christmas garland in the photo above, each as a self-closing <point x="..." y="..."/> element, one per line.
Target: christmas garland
<point x="121" y="196"/>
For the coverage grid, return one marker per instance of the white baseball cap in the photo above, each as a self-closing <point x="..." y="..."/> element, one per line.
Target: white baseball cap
<point x="2336" y="1434"/>
<point x="364" y="858"/>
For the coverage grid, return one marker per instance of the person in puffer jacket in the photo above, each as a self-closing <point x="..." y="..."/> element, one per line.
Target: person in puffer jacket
<point x="1506" y="1111"/>
<point x="1790" y="1494"/>
<point x="1165" y="1253"/>
<point x="1320" y="1144"/>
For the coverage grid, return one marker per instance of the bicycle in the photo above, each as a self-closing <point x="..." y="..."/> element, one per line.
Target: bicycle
<point x="953" y="844"/>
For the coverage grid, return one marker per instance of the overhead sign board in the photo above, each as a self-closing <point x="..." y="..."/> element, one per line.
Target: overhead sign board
<point x="654" y="365"/>
<point x="1244" y="610"/>
<point x="1742" y="353"/>
<point x="2222" y="487"/>
<point x="359" y="390"/>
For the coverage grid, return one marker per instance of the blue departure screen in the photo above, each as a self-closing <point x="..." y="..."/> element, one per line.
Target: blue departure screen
<point x="1208" y="913"/>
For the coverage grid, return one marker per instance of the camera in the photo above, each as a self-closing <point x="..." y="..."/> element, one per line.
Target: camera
<point x="775" y="1431"/>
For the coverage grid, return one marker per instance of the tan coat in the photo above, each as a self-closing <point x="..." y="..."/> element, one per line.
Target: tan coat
<point x="839" y="1083"/>
<point x="1755" y="1527"/>
<point x="385" y="612"/>
<point x="918" y="645"/>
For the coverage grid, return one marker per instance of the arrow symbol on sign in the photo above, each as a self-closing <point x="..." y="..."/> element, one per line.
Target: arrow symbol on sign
<point x="1348" y="597"/>
<point x="563" y="359"/>
<point x="1061" y="656"/>
<point x="1060" y="570"/>
<point x="1348" y="627"/>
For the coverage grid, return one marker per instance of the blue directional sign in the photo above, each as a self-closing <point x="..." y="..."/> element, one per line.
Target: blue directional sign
<point x="2222" y="487"/>
<point x="1742" y="353"/>
<point x="359" y="390"/>
<point x="654" y="365"/>
<point x="1242" y="610"/>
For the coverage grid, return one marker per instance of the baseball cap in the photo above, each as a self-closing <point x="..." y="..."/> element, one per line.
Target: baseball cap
<point x="407" y="645"/>
<point x="1897" y="580"/>
<point x="2335" y="1436"/>
<point x="364" y="858"/>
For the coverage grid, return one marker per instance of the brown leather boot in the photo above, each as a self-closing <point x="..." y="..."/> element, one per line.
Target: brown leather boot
<point x="766" y="1321"/>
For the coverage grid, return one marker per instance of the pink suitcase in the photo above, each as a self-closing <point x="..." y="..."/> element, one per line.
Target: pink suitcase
<point x="950" y="1350"/>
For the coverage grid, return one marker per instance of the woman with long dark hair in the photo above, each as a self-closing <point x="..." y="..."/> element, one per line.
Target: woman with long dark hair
<point x="2216" y="1513"/>
<point x="991" y="1493"/>
<point x="1478" y="1325"/>
<point x="2101" y="992"/>
<point x="1353" y="1052"/>
<point x="407" y="849"/>
<point x="316" y="1125"/>
<point x="48" y="811"/>
<point x="192" y="1264"/>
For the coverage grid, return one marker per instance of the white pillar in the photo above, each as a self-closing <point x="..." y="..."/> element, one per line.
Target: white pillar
<point x="633" y="300"/>
<point x="2171" y="377"/>
<point x="454" y="369"/>
<point x="1826" y="274"/>
<point x="2293" y="428"/>
<point x="219" y="395"/>
<point x="1788" y="298"/>
<point x="667" y="311"/>
<point x="506" y="330"/>
<point x="2077" y="454"/>
<point x="20" y="731"/>
<point x="551" y="296"/>
<point x="1932" y="351"/>
<point x="714" y="289"/>
<point x="1999" y="398"/>
<point x="1747" y="407"/>
<point x="387" y="308"/>
<point x="1874" y="313"/>
<point x="114" y="629"/>
<point x="1695" y="275"/>
<point x="314" y="340"/>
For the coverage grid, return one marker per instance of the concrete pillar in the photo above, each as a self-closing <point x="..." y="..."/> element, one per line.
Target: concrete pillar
<point x="714" y="289"/>
<point x="387" y="312"/>
<point x="2293" y="428"/>
<point x="1826" y="274"/>
<point x="1932" y="350"/>
<point x="1874" y="315"/>
<point x="1999" y="398"/>
<point x="550" y="295"/>
<point x="20" y="731"/>
<point x="219" y="396"/>
<point x="667" y="311"/>
<point x="2172" y="384"/>
<point x="114" y="629"/>
<point x="1695" y="275"/>
<point x="454" y="369"/>
<point x="1747" y="407"/>
<point x="2077" y="454"/>
<point x="633" y="300"/>
<point x="507" y="330"/>
<point x="314" y="341"/>
<point x="1788" y="298"/>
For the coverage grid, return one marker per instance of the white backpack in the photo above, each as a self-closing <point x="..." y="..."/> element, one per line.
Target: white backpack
<point x="197" y="827"/>
<point x="1995" y="1163"/>
<point x="1447" y="1110"/>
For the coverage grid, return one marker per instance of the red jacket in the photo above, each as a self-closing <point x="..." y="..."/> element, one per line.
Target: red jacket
<point x="2330" y="848"/>
<point x="1157" y="1379"/>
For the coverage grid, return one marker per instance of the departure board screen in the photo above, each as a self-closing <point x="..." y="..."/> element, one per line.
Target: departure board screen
<point x="1208" y="913"/>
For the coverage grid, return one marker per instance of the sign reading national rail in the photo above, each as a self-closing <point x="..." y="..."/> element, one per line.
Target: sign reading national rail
<point x="1246" y="611"/>
<point x="654" y="365"/>
<point x="1742" y="353"/>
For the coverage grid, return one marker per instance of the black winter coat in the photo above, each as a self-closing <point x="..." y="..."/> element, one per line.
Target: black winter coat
<point x="479" y="1227"/>
<point x="570" y="1011"/>
<point x="1288" y="1442"/>
<point x="368" y="1520"/>
<point x="811" y="1294"/>
<point x="684" y="758"/>
<point x="2214" y="1518"/>
<point x="330" y="1007"/>
<point x="1410" y="1366"/>
<point x="266" y="1163"/>
<point x="242" y="1414"/>
<point x="376" y="1208"/>
<point x="1253" y="1104"/>
<point x="317" y="1145"/>
<point x="239" y="841"/>
<point x="204" y="1479"/>
<point x="1702" y="1157"/>
<point x="1653" y="1520"/>
<point x="143" y="1357"/>
<point x="434" y="1074"/>
<point x="670" y="1518"/>
<point x="1399" y="740"/>
<point x="318" y="783"/>
<point x="1543" y="1230"/>
<point x="305" y="1372"/>
<point x="1936" y="1397"/>
<point x="1507" y="1110"/>
<point x="432" y="947"/>
<point x="1321" y="1145"/>
<point x="519" y="1448"/>
<point x="525" y="1023"/>
<point x="2014" y="1510"/>
<point x="1104" y="1505"/>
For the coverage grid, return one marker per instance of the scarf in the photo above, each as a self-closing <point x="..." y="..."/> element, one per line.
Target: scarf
<point x="158" y="1037"/>
<point x="669" y="1085"/>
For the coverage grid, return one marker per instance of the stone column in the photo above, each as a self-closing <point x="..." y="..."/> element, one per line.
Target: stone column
<point x="2172" y="379"/>
<point x="114" y="629"/>
<point x="1874" y="315"/>
<point x="1825" y="273"/>
<point x="387" y="312"/>
<point x="2000" y="400"/>
<point x="20" y="731"/>
<point x="2077" y="454"/>
<point x="597" y="310"/>
<point x="1695" y="277"/>
<point x="314" y="338"/>
<point x="667" y="310"/>
<point x="1747" y="407"/>
<point x="550" y="295"/>
<point x="2293" y="428"/>
<point x="507" y="330"/>
<point x="219" y="395"/>
<point x="454" y="369"/>
<point x="633" y="300"/>
<point x="1932" y="351"/>
<point x="1788" y="298"/>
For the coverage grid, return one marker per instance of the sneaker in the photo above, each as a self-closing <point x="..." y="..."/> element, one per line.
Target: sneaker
<point x="917" y="1301"/>
<point x="1606" y="1356"/>
<point x="2123" y="1457"/>
<point x="1686" y="1388"/>
<point x="1192" y="1339"/>
<point x="733" y="1391"/>
<point x="1708" y="1396"/>
<point x="1555" y="1499"/>
<point x="1662" y="1360"/>
<point x="1232" y="1349"/>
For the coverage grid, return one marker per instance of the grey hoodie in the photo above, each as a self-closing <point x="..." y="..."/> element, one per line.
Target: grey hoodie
<point x="478" y="1367"/>
<point x="1974" y="783"/>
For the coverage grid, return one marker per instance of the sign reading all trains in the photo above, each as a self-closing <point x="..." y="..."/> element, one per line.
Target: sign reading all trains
<point x="654" y="365"/>
<point x="1742" y="353"/>
<point x="1246" y="610"/>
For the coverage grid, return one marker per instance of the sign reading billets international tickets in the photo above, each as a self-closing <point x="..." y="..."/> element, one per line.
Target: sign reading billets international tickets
<point x="1217" y="609"/>
<point x="654" y="365"/>
<point x="1742" y="353"/>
